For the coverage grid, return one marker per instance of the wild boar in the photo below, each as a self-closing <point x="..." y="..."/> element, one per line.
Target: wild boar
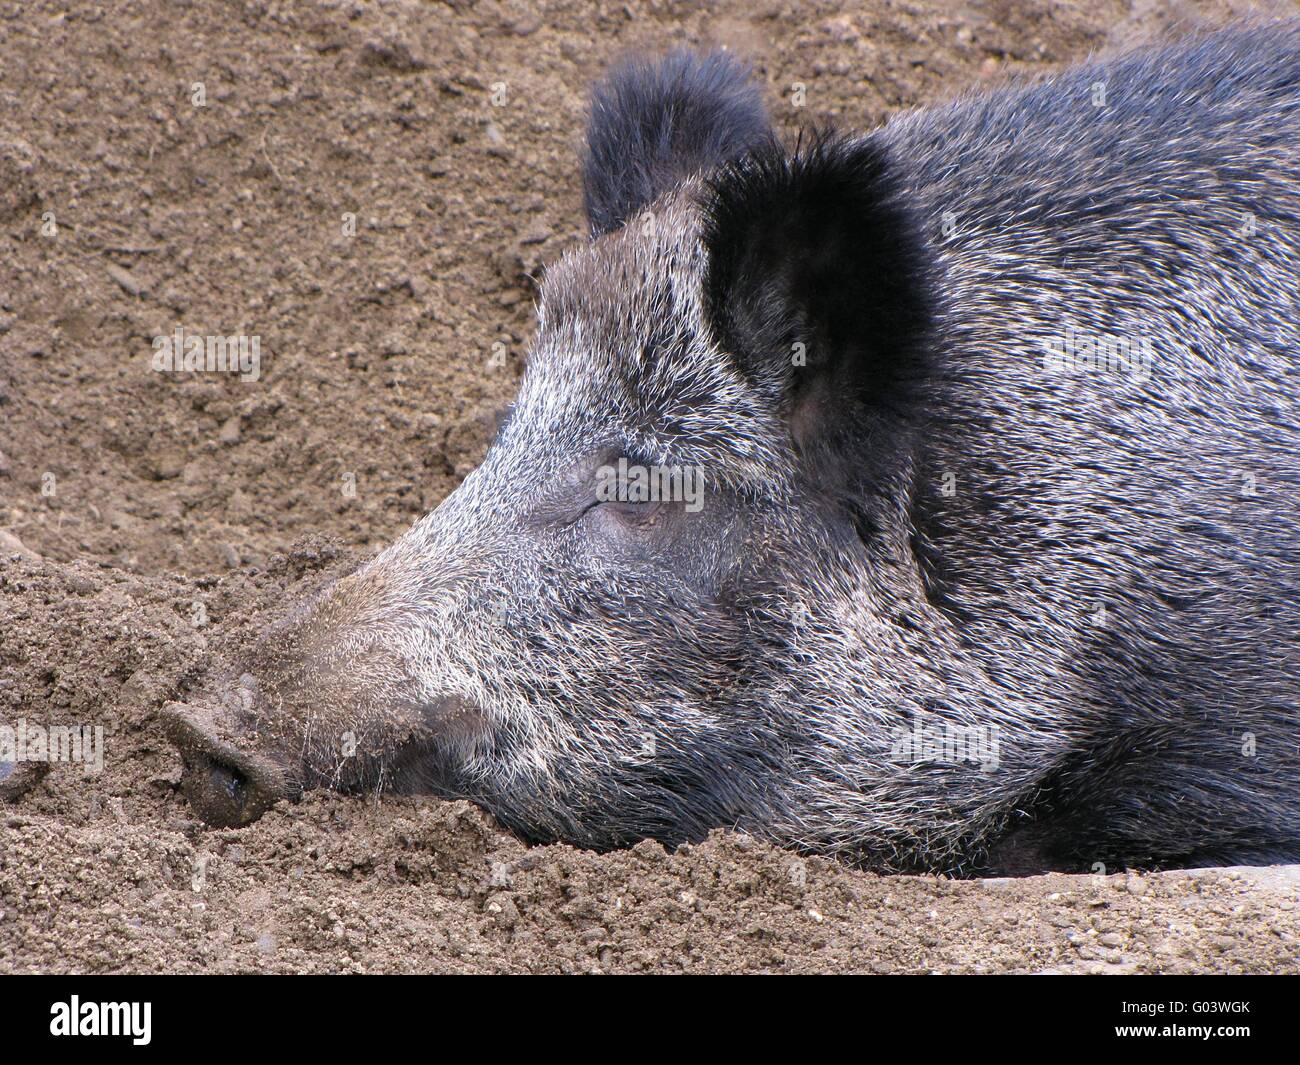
<point x="924" y="497"/>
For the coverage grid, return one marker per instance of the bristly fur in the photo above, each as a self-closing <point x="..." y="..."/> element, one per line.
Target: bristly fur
<point x="654" y="124"/>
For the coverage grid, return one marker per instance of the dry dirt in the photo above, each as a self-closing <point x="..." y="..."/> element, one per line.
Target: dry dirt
<point x="147" y="518"/>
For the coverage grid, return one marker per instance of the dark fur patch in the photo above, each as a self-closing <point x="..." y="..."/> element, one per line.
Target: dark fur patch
<point x="653" y="124"/>
<point x="817" y="248"/>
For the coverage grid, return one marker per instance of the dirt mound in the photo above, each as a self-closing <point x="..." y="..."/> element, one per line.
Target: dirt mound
<point x="371" y="192"/>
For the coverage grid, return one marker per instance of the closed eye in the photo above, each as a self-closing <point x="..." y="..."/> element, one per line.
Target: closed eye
<point x="633" y="511"/>
<point x="630" y="511"/>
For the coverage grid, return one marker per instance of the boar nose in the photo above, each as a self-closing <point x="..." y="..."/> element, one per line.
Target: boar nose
<point x="227" y="787"/>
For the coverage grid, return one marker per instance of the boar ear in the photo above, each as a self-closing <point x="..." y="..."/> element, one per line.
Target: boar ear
<point x="817" y="284"/>
<point x="653" y="124"/>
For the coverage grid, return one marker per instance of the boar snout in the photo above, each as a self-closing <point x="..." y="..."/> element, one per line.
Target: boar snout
<point x="226" y="787"/>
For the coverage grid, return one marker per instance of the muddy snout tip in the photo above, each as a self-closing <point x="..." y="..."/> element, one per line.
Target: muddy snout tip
<point x="226" y="787"/>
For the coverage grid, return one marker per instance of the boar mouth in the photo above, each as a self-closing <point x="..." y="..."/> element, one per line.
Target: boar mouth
<point x="225" y="786"/>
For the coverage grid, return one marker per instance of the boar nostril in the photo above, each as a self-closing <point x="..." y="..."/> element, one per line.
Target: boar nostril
<point x="227" y="787"/>
<point x="231" y="782"/>
<point x="222" y="794"/>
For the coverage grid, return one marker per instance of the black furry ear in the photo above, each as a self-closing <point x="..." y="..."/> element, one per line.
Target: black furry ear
<point x="817" y="279"/>
<point x="654" y="124"/>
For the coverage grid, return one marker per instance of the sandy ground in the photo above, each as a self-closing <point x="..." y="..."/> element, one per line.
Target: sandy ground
<point x="147" y="519"/>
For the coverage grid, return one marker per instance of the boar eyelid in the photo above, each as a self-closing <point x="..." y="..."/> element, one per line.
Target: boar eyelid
<point x="589" y="505"/>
